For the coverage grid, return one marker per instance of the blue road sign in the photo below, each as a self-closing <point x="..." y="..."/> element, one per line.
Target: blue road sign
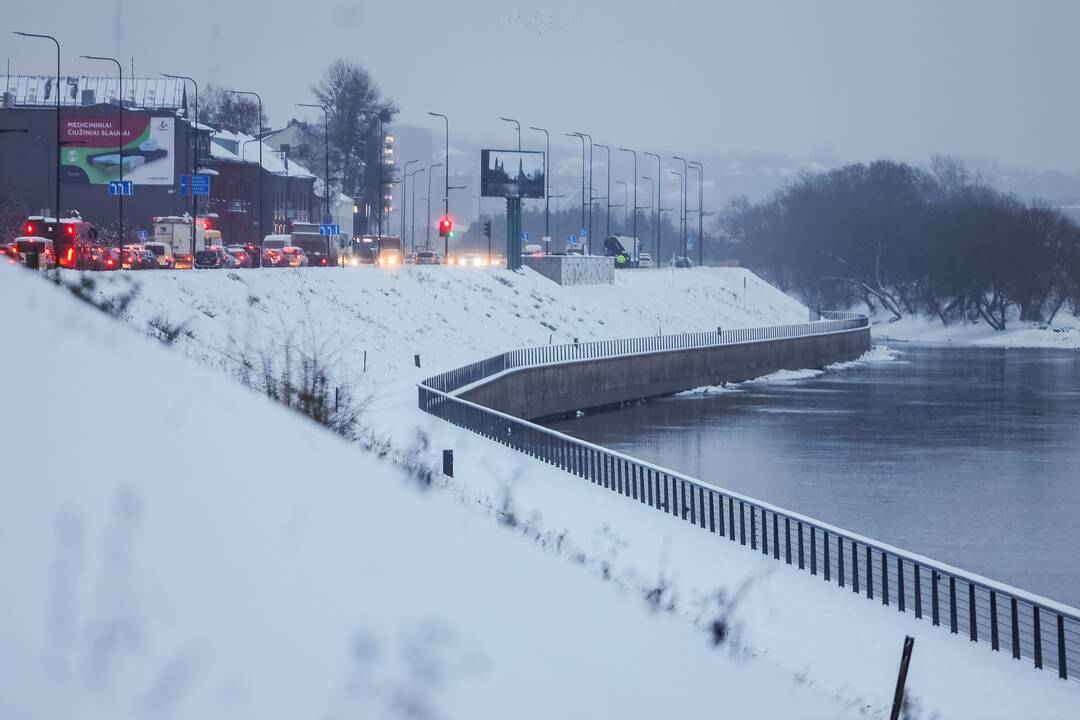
<point x="195" y="184"/>
<point x="583" y="232"/>
<point x="121" y="187"/>
<point x="570" y="239"/>
<point x="329" y="229"/>
<point x="524" y="237"/>
<point x="142" y="236"/>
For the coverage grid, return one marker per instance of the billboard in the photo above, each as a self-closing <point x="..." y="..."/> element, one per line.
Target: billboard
<point x="511" y="174"/>
<point x="91" y="153"/>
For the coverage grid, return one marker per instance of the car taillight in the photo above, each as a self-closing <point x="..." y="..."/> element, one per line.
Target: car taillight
<point x="70" y="254"/>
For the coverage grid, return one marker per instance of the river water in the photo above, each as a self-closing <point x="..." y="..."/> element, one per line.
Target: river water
<point x="970" y="456"/>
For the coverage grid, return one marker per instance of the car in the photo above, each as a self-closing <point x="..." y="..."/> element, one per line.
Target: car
<point x="533" y="249"/>
<point x="163" y="254"/>
<point x="244" y="254"/>
<point x="293" y="256"/>
<point x="474" y="260"/>
<point x="426" y="257"/>
<point x="683" y="262"/>
<point x="35" y="252"/>
<point x="110" y="258"/>
<point x="645" y="260"/>
<point x="211" y="258"/>
<point x="8" y="250"/>
<point x="410" y="258"/>
<point x="388" y="257"/>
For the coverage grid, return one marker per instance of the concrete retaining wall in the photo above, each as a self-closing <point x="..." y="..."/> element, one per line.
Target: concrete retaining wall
<point x="573" y="269"/>
<point x="565" y="387"/>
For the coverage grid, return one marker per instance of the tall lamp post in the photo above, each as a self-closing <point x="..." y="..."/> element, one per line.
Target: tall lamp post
<point x="405" y="200"/>
<point x="547" y="179"/>
<point x="625" y="201"/>
<point x="120" y="141"/>
<point x="326" y="157"/>
<point x="506" y="119"/>
<point x="588" y="137"/>
<point x="607" y="197"/>
<point x="682" y="190"/>
<point x="634" y="153"/>
<point x="581" y="137"/>
<point x="685" y="180"/>
<point x="427" y="231"/>
<point x="700" y="210"/>
<point x="412" y="209"/>
<point x="194" y="155"/>
<point x="258" y="136"/>
<point x="382" y="163"/>
<point x="58" y="142"/>
<point x="659" y="204"/>
<point x="650" y="205"/>
<point x="446" y="170"/>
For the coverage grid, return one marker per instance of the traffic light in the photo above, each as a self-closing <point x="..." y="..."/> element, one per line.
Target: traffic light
<point x="487" y="229"/>
<point x="446" y="227"/>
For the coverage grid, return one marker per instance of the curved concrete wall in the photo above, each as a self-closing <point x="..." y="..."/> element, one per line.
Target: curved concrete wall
<point x="541" y="391"/>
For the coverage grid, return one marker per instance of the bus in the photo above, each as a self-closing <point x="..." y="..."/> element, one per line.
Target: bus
<point x="73" y="239"/>
<point x="321" y="250"/>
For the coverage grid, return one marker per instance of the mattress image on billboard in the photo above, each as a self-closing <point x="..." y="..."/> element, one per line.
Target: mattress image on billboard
<point x="511" y="174"/>
<point x="92" y="154"/>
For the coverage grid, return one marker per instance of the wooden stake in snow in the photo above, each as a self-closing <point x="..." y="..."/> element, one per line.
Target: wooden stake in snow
<point x="905" y="660"/>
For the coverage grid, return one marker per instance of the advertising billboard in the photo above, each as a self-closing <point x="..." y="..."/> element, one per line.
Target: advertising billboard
<point x="91" y="153"/>
<point x="511" y="174"/>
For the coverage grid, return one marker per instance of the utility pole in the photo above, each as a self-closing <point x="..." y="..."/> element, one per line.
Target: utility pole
<point x="581" y="137"/>
<point x="119" y="143"/>
<point x="634" y="153"/>
<point x="194" y="159"/>
<point x="404" y="202"/>
<point x="412" y="210"/>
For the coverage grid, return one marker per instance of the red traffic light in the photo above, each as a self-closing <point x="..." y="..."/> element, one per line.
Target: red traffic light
<point x="29" y="228"/>
<point x="446" y="225"/>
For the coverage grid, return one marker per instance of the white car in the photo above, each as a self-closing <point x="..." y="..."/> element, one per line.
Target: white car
<point x="645" y="260"/>
<point x="474" y="260"/>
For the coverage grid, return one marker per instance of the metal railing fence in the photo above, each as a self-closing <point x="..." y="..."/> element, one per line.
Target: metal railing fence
<point x="1006" y="619"/>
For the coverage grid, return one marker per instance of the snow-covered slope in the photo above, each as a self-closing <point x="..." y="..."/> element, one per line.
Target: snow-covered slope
<point x="156" y="563"/>
<point x="838" y="644"/>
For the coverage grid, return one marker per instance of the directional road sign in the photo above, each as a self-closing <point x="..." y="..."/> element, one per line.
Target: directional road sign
<point x="121" y="187"/>
<point x="195" y="184"/>
<point x="329" y="229"/>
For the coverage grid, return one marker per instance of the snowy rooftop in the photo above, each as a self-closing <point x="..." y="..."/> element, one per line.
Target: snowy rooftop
<point x="247" y="150"/>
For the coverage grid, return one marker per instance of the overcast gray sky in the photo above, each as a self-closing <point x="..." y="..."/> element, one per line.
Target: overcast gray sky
<point x="866" y="79"/>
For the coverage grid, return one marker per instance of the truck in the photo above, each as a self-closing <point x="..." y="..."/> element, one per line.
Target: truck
<point x="175" y="231"/>
<point x="626" y="250"/>
<point x="321" y="250"/>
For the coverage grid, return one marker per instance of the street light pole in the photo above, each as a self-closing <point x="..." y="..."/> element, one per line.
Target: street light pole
<point x="506" y="119"/>
<point x="634" y="153"/>
<point x="607" y="197"/>
<point x="58" y="141"/>
<point x="405" y="200"/>
<point x="446" y="170"/>
<point x="412" y="210"/>
<point x="258" y="136"/>
<point x="120" y="142"/>
<point x="700" y="210"/>
<point x="581" y="137"/>
<point x="682" y="190"/>
<point x="658" y="204"/>
<point x="427" y="232"/>
<point x="326" y="155"/>
<point x="685" y="177"/>
<point x="547" y="179"/>
<point x="194" y="157"/>
<point x="625" y="201"/>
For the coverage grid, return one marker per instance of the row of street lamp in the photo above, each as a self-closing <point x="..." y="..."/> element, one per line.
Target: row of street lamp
<point x="405" y="174"/>
<point x="583" y="136"/>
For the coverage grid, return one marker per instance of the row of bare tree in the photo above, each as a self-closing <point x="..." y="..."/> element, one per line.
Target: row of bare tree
<point x="911" y="241"/>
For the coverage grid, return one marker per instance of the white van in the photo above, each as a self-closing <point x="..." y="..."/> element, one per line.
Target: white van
<point x="163" y="252"/>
